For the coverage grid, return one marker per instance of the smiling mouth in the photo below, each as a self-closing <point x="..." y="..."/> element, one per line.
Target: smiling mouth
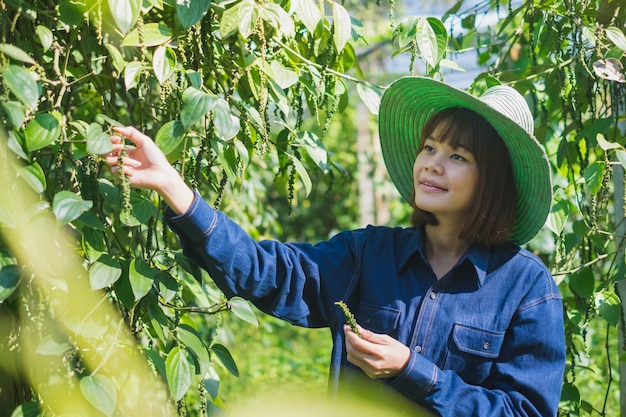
<point x="429" y="184"/>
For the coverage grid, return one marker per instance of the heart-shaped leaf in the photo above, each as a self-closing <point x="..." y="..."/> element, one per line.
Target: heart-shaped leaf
<point x="100" y="391"/>
<point x="68" y="206"/>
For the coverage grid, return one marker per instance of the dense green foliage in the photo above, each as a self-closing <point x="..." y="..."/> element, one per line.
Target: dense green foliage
<point x="252" y="102"/>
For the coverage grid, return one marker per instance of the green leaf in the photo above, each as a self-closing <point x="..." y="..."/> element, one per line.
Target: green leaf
<point x="278" y="18"/>
<point x="45" y="37"/>
<point x="589" y="33"/>
<point x="309" y="14"/>
<point x="16" y="144"/>
<point x="141" y="278"/>
<point x="616" y="36"/>
<point x="104" y="119"/>
<point x="191" y="12"/>
<point x="583" y="283"/>
<point x="98" y="142"/>
<point x="9" y="280"/>
<point x="570" y="397"/>
<point x="178" y="372"/>
<point x="224" y="356"/>
<point x="15" y="112"/>
<point x="315" y="148"/>
<point x="104" y="272"/>
<point x="27" y="409"/>
<point x="228" y="159"/>
<point x="241" y="308"/>
<point x="190" y="338"/>
<point x="53" y="344"/>
<point x="125" y="13"/>
<point x="89" y="220"/>
<point x="229" y="23"/>
<point x="72" y="12"/>
<point x="93" y="244"/>
<point x="342" y="26"/>
<point x="154" y="34"/>
<point x="22" y="84"/>
<point x="42" y="131"/>
<point x="558" y="216"/>
<point x="170" y="138"/>
<point x="248" y="15"/>
<point x="116" y="57"/>
<point x="404" y="32"/>
<point x="132" y="71"/>
<point x="446" y="63"/>
<point x="304" y="175"/>
<point x="100" y="391"/>
<point x="211" y="383"/>
<point x="123" y="290"/>
<point x="283" y="76"/>
<point x="154" y="356"/>
<point x="141" y="210"/>
<point x="168" y="286"/>
<point x="441" y="34"/>
<point x="68" y="206"/>
<point x="370" y="95"/>
<point x="605" y="144"/>
<point x="427" y="42"/>
<point x="609" y="306"/>
<point x="593" y="176"/>
<point x="163" y="62"/>
<point x="196" y="104"/>
<point x="16" y="53"/>
<point x="158" y="321"/>
<point x="33" y="175"/>
<point x="226" y="123"/>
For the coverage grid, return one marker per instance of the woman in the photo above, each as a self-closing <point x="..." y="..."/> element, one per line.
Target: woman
<point x="455" y="315"/>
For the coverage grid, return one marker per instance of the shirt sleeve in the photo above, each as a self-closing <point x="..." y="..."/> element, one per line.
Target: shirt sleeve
<point x="525" y="380"/>
<point x="296" y="282"/>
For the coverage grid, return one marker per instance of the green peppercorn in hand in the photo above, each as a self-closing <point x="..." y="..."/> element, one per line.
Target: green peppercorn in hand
<point x="350" y="320"/>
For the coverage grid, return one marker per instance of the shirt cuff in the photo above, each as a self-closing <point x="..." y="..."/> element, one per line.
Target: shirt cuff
<point x="196" y="223"/>
<point x="418" y="377"/>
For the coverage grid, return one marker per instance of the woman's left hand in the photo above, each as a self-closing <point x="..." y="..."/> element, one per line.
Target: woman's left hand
<point x="378" y="355"/>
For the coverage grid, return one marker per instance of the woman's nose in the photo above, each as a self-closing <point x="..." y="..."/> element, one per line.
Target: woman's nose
<point x="433" y="164"/>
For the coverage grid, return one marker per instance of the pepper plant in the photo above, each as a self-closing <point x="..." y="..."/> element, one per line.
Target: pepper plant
<point x="241" y="95"/>
<point x="224" y="88"/>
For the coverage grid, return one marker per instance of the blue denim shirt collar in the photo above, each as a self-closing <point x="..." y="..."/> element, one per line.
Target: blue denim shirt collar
<point x="477" y="254"/>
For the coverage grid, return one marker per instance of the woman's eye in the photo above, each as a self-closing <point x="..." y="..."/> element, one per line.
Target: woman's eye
<point x="458" y="157"/>
<point x="428" y="148"/>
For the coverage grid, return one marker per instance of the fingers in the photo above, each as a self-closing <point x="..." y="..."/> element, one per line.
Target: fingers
<point x="133" y="134"/>
<point x="112" y="159"/>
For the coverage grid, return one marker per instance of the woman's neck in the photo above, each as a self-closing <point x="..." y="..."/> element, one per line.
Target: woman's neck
<point x="444" y="248"/>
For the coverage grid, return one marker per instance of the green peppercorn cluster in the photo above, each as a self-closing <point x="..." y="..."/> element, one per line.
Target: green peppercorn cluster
<point x="350" y="320"/>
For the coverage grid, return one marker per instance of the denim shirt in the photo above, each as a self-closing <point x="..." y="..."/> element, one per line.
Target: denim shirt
<point x="487" y="339"/>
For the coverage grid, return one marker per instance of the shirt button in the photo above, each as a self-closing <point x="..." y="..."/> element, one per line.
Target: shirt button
<point x="418" y="349"/>
<point x="432" y="295"/>
<point x="486" y="346"/>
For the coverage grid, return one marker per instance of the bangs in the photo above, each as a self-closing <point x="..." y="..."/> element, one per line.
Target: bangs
<point x="454" y="126"/>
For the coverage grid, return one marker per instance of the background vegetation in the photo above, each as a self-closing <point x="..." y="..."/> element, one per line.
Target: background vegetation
<point x="260" y="105"/>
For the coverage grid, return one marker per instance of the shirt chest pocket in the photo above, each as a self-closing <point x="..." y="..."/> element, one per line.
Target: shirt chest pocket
<point x="379" y="319"/>
<point x="472" y="352"/>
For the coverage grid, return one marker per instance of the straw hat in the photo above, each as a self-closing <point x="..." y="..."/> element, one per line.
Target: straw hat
<point x="409" y="102"/>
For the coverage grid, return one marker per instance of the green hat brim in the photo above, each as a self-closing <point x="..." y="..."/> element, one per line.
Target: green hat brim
<point x="408" y="103"/>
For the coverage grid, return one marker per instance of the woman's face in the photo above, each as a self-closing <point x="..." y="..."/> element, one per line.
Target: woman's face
<point x="446" y="179"/>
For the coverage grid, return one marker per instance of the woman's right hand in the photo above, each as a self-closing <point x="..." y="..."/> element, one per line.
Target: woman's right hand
<point x="147" y="167"/>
